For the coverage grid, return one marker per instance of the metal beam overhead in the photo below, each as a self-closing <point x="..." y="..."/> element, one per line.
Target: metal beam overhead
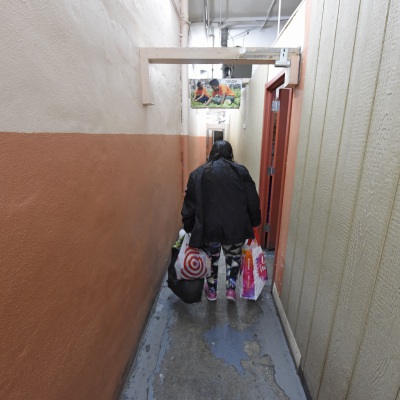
<point x="217" y="55"/>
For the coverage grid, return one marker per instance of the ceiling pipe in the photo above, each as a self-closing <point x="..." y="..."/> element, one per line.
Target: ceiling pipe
<point x="244" y="33"/>
<point x="176" y="9"/>
<point x="206" y="17"/>
<point x="246" y="22"/>
<point x="268" y="13"/>
<point x="226" y="69"/>
<point x="224" y="37"/>
<point x="279" y="18"/>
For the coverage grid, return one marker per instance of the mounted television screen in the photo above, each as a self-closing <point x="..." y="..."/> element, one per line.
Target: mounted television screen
<point x="215" y="93"/>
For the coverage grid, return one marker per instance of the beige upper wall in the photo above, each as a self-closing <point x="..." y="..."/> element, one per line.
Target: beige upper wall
<point x="73" y="66"/>
<point x="246" y="126"/>
<point x="292" y="35"/>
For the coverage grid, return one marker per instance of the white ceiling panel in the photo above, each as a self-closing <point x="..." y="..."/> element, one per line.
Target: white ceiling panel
<point x="254" y="10"/>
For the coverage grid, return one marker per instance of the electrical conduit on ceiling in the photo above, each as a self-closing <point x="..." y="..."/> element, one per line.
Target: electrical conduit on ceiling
<point x="268" y="13"/>
<point x="176" y="9"/>
<point x="206" y="17"/>
<point x="279" y="18"/>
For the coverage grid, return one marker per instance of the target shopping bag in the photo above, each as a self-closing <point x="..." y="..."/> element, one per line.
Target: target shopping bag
<point x="253" y="269"/>
<point x="192" y="263"/>
<point x="188" y="290"/>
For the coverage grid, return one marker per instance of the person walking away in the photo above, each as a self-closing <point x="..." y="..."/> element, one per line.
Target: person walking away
<point x="220" y="209"/>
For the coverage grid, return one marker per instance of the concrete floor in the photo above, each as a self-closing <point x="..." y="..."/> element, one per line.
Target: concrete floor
<point x="213" y="350"/>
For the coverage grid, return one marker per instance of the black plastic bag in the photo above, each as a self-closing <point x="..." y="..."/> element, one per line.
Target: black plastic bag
<point x="189" y="291"/>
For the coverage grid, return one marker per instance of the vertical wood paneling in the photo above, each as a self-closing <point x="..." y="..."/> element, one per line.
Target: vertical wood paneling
<point x="312" y="63"/>
<point x="374" y="203"/>
<point x="322" y="81"/>
<point x="369" y="38"/>
<point x="341" y="69"/>
<point x="377" y="372"/>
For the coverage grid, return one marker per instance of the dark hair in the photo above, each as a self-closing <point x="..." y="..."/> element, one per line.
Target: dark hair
<point x="214" y="82"/>
<point x="199" y="84"/>
<point x="221" y="149"/>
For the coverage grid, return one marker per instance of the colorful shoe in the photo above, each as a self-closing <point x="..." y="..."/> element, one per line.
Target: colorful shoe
<point x="231" y="294"/>
<point x="210" y="293"/>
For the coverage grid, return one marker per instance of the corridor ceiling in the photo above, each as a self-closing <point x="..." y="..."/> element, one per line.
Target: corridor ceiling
<point x="241" y="13"/>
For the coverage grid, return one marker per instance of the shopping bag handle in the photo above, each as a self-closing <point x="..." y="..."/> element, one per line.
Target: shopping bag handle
<point x="256" y="236"/>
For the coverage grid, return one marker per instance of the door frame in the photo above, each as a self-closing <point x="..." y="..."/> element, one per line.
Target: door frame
<point x="265" y="162"/>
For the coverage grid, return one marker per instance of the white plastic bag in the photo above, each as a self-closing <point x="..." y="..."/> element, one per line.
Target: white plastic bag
<point x="192" y="263"/>
<point x="253" y="270"/>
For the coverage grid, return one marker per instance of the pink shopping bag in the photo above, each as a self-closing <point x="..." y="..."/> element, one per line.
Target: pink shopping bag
<point x="253" y="269"/>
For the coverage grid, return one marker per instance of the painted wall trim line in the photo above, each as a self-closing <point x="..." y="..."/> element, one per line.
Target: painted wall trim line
<point x="294" y="349"/>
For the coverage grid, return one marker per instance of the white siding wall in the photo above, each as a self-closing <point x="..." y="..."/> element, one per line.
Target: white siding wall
<point x="341" y="287"/>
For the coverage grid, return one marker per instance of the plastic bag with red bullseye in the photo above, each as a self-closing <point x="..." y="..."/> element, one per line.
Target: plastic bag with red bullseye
<point x="192" y="263"/>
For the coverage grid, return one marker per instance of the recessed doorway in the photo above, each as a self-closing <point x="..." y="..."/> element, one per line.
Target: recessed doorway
<point x="277" y="111"/>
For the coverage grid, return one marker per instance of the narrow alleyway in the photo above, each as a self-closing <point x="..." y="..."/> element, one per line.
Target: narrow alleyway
<point x="213" y="350"/>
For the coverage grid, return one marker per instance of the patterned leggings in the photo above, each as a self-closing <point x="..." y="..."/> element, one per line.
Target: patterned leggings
<point x="233" y="253"/>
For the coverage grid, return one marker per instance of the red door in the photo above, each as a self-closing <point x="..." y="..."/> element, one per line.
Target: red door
<point x="273" y="159"/>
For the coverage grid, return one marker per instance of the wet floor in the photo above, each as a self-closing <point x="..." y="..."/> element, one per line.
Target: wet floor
<point x="213" y="350"/>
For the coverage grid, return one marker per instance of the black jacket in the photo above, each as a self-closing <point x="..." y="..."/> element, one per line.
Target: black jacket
<point x="221" y="204"/>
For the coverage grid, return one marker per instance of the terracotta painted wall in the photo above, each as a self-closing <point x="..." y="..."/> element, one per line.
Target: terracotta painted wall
<point x="91" y="188"/>
<point x="79" y="265"/>
<point x="197" y="151"/>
